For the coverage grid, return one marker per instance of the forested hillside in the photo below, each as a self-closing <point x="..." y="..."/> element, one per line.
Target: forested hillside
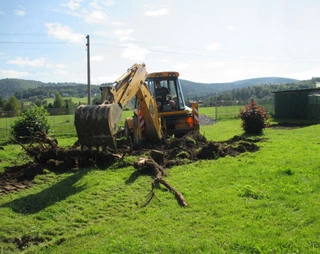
<point x="78" y="90"/>
<point x="9" y="86"/>
<point x="193" y="90"/>
<point x="25" y="89"/>
<point x="261" y="93"/>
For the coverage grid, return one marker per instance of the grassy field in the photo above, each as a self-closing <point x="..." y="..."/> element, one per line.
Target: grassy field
<point x="262" y="202"/>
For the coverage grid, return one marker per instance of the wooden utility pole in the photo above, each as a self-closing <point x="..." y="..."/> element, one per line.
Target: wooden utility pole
<point x="88" y="68"/>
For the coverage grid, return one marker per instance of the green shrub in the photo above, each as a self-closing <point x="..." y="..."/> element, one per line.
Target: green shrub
<point x="35" y="119"/>
<point x="254" y="118"/>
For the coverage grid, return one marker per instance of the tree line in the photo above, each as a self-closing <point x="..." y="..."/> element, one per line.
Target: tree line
<point x="43" y="92"/>
<point x="15" y="106"/>
<point x="39" y="96"/>
<point x="260" y="93"/>
<point x="23" y="89"/>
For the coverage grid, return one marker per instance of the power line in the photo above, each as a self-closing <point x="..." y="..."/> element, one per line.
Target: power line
<point x="233" y="56"/>
<point x="22" y="34"/>
<point x="155" y="50"/>
<point x="33" y="42"/>
<point x="271" y="59"/>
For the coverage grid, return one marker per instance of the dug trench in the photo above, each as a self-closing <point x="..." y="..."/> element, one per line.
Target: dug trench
<point x="47" y="155"/>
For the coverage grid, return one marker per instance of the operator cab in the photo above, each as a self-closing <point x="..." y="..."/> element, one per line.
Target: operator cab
<point x="166" y="90"/>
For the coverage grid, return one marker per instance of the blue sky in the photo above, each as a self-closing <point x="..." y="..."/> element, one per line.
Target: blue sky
<point x="206" y="40"/>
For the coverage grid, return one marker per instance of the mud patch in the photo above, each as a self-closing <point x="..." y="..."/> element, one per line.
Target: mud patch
<point x="178" y="151"/>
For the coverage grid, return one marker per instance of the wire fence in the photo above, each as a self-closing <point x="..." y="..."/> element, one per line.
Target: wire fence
<point x="221" y="112"/>
<point x="63" y="124"/>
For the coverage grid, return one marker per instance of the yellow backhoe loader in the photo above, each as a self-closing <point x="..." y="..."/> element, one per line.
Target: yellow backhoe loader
<point x="158" y="111"/>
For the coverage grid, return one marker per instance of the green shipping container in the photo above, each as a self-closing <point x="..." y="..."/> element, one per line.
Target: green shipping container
<point x="297" y="104"/>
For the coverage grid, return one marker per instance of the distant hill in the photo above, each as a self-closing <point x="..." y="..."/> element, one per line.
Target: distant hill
<point x="9" y="87"/>
<point x="262" y="93"/>
<point x="202" y="89"/>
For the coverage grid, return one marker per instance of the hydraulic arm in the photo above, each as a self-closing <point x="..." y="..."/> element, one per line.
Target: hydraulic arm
<point x="96" y="125"/>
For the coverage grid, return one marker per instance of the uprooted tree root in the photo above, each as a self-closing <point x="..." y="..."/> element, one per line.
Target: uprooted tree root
<point x="48" y="155"/>
<point x="158" y="173"/>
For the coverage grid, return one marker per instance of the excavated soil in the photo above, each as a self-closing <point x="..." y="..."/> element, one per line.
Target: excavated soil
<point x="178" y="151"/>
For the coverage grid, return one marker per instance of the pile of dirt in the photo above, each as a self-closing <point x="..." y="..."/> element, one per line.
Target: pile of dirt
<point x="18" y="177"/>
<point x="56" y="160"/>
<point x="195" y="147"/>
<point x="206" y="120"/>
<point x="178" y="151"/>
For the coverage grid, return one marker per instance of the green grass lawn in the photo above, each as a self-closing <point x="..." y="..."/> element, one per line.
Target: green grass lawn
<point x="262" y="202"/>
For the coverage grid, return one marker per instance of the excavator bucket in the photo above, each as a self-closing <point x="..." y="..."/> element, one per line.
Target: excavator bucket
<point x="96" y="125"/>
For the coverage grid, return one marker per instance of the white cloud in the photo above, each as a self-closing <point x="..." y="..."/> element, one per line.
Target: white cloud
<point x="96" y="17"/>
<point x="60" y="66"/>
<point x="105" y="79"/>
<point x="159" y="47"/>
<point x="160" y="12"/>
<point x="306" y="74"/>
<point x="73" y="4"/>
<point x="164" y="60"/>
<point x="13" y="74"/>
<point x="65" y="33"/>
<point x="214" y="65"/>
<point x="124" y="35"/>
<point x="115" y="23"/>
<point x="97" y="4"/>
<point x="94" y="4"/>
<point x="134" y="52"/>
<point x="61" y="72"/>
<point x="97" y="58"/>
<point x="19" y="13"/>
<point x="230" y="28"/>
<point x="107" y="2"/>
<point x="102" y="34"/>
<point x="94" y="13"/>
<point x="235" y="73"/>
<point x="213" y="46"/>
<point x="181" y="66"/>
<point x="25" y="62"/>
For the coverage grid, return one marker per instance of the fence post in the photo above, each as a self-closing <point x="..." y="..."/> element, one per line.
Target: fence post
<point x="6" y="127"/>
<point x="216" y="112"/>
